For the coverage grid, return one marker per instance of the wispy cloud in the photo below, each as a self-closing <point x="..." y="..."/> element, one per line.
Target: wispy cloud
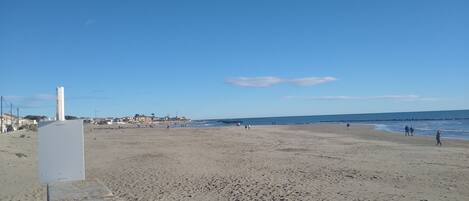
<point x="268" y="81"/>
<point x="34" y="101"/>
<point x="254" y="81"/>
<point x="88" y="97"/>
<point x="410" y="97"/>
<point x="310" y="81"/>
<point x="48" y="100"/>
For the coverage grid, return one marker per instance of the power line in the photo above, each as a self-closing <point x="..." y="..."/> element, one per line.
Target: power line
<point x="18" y="117"/>
<point x="12" y="121"/>
<point x="1" y="114"/>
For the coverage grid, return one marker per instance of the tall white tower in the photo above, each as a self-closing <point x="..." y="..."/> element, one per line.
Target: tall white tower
<point x="60" y="104"/>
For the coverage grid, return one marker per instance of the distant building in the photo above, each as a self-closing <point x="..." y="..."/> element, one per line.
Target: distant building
<point x="119" y="121"/>
<point x="143" y="119"/>
<point x="102" y="121"/>
<point x="127" y="119"/>
<point x="138" y="119"/>
<point x="171" y="120"/>
<point x="12" y="122"/>
<point x="178" y="118"/>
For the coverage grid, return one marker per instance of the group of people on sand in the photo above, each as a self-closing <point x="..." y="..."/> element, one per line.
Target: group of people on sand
<point x="409" y="131"/>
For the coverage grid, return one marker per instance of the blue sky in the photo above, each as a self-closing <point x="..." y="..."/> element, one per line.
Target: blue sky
<point x="217" y="59"/>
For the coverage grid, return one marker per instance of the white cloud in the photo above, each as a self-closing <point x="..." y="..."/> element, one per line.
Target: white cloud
<point x="410" y="97"/>
<point x="268" y="81"/>
<point x="310" y="81"/>
<point x="254" y="81"/>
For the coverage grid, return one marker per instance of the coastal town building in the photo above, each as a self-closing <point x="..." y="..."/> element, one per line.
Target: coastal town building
<point x="11" y="122"/>
<point x="143" y="119"/>
<point x="137" y="119"/>
<point x="102" y="121"/>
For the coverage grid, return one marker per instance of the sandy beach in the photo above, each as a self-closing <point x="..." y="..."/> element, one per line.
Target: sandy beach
<point x="305" y="162"/>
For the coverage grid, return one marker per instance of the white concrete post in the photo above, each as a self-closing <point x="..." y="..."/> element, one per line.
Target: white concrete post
<point x="60" y="104"/>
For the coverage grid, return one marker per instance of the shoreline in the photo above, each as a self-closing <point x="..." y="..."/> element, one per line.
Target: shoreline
<point x="374" y="125"/>
<point x="372" y="133"/>
<point x="453" y="123"/>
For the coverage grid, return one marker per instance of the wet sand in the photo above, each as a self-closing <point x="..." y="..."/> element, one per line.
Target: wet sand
<point x="313" y="162"/>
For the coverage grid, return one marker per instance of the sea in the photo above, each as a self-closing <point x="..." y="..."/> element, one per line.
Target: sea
<point x="454" y="124"/>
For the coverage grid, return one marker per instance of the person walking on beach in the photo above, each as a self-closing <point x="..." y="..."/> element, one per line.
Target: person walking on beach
<point x="438" y="136"/>
<point x="411" y="129"/>
<point x="406" y="128"/>
<point x="348" y="125"/>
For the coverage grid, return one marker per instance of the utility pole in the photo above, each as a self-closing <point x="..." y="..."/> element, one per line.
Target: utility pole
<point x="18" y="117"/>
<point x="11" y="115"/>
<point x="1" y="114"/>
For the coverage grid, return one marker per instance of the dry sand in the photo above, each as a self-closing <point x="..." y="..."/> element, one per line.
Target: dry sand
<point x="319" y="162"/>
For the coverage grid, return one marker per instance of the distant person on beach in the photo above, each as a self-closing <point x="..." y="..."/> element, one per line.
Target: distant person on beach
<point x="438" y="138"/>
<point x="411" y="129"/>
<point x="245" y="127"/>
<point x="348" y="125"/>
<point x="406" y="129"/>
